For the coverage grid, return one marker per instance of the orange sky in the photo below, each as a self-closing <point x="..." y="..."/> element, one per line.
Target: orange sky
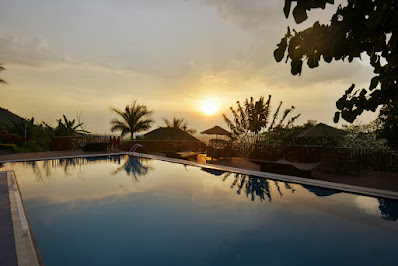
<point x="84" y="57"/>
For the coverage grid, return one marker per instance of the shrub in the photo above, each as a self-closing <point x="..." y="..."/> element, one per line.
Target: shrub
<point x="7" y="147"/>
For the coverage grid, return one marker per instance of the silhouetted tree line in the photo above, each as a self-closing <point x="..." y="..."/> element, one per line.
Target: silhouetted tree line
<point x="367" y="135"/>
<point x="38" y="136"/>
<point x="357" y="28"/>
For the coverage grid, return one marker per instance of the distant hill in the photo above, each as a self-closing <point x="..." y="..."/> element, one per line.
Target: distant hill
<point x="6" y="117"/>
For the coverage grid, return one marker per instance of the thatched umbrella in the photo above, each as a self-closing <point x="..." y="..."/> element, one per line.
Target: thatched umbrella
<point x="215" y="172"/>
<point x="216" y="131"/>
<point x="320" y="192"/>
<point x="322" y="130"/>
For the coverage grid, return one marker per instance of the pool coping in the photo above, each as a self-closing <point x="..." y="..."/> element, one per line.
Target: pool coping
<point x="285" y="178"/>
<point x="26" y="248"/>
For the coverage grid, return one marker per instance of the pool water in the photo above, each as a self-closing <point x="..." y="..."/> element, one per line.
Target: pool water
<point x="120" y="210"/>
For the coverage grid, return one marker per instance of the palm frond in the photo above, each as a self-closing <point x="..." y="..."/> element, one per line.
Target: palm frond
<point x="136" y="118"/>
<point x="275" y="116"/>
<point x="2" y="69"/>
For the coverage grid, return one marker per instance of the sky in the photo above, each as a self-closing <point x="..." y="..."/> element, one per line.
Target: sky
<point x="84" y="57"/>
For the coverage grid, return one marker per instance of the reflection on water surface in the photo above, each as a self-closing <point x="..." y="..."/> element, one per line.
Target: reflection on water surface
<point x="123" y="210"/>
<point x="138" y="167"/>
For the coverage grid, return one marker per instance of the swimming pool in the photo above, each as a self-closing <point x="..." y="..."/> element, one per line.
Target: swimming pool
<point x="121" y="210"/>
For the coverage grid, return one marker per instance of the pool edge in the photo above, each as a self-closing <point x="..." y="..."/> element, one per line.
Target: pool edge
<point x="27" y="251"/>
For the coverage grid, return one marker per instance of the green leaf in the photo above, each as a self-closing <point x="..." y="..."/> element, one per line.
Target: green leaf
<point x="350" y="89"/>
<point x="296" y="66"/>
<point x="279" y="53"/>
<point x="327" y="59"/>
<point x="341" y="103"/>
<point x="299" y="14"/>
<point x="313" y="61"/>
<point x="373" y="83"/>
<point x="358" y="111"/>
<point x="286" y="8"/>
<point x="348" y="116"/>
<point x="336" y="117"/>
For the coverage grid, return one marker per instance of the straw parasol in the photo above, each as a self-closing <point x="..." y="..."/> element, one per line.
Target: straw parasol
<point x="322" y="130"/>
<point x="215" y="172"/>
<point x="216" y="131"/>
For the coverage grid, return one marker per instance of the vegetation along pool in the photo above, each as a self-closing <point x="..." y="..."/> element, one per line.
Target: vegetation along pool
<point x="121" y="210"/>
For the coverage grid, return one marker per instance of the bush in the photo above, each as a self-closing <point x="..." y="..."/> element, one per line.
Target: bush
<point x="95" y="146"/>
<point x="7" y="147"/>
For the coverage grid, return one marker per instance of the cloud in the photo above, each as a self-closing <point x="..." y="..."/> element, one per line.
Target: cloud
<point x="33" y="53"/>
<point x="249" y="14"/>
<point x="36" y="53"/>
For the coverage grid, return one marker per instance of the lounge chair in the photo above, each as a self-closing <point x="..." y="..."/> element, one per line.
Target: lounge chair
<point x="226" y="152"/>
<point x="329" y="163"/>
<point x="212" y="152"/>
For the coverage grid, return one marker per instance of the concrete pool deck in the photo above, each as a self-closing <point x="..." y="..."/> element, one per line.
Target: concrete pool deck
<point x="17" y="243"/>
<point x="8" y="254"/>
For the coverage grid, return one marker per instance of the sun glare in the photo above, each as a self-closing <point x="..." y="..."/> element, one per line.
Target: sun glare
<point x="209" y="107"/>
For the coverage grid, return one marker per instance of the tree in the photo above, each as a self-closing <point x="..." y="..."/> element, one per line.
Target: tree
<point x="362" y="26"/>
<point x="388" y="119"/>
<point x="68" y="128"/>
<point x="252" y="119"/>
<point x="38" y="137"/>
<point x="21" y="127"/>
<point x="135" y="118"/>
<point x="2" y="69"/>
<point x="389" y="210"/>
<point x="363" y="136"/>
<point x="180" y="123"/>
<point x="288" y="135"/>
<point x="135" y="166"/>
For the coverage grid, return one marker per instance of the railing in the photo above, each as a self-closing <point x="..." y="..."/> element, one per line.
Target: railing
<point x="374" y="159"/>
<point x="135" y="146"/>
<point x="75" y="143"/>
<point x="153" y="146"/>
<point x="10" y="138"/>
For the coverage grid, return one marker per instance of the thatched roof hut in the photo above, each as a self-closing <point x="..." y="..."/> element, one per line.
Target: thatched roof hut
<point x="169" y="133"/>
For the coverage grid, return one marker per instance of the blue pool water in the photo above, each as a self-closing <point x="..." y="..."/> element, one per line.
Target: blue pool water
<point x="116" y="210"/>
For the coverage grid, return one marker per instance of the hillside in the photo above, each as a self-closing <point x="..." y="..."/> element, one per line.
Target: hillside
<point x="6" y="117"/>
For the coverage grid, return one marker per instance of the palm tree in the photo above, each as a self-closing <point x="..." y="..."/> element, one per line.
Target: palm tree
<point x="135" y="166"/>
<point x="180" y="123"/>
<point x="2" y="69"/>
<point x="252" y="119"/>
<point x="68" y="128"/>
<point x="136" y="118"/>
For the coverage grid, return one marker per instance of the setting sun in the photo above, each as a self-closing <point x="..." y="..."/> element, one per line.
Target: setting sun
<point x="209" y="106"/>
